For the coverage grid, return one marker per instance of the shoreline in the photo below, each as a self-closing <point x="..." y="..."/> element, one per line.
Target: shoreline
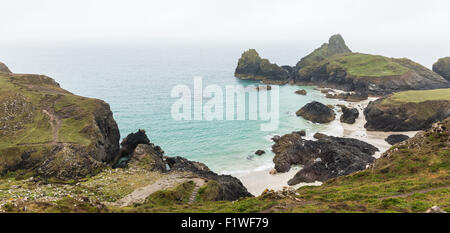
<point x="258" y="181"/>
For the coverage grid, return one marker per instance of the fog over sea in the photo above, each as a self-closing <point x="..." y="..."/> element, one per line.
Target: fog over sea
<point x="137" y="81"/>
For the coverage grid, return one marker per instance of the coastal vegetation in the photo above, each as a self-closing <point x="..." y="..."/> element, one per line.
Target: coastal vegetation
<point x="409" y="110"/>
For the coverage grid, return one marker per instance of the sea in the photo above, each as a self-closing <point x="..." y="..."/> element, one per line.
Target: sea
<point x="137" y="81"/>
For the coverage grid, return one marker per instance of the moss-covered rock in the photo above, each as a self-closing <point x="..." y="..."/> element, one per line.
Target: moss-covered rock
<point x="409" y="110"/>
<point x="252" y="66"/>
<point x="442" y="67"/>
<point x="49" y="130"/>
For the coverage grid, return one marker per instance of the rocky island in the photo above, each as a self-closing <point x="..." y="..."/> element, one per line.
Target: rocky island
<point x="335" y="65"/>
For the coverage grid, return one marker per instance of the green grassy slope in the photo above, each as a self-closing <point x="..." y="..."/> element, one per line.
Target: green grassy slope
<point x="417" y="96"/>
<point x="28" y="104"/>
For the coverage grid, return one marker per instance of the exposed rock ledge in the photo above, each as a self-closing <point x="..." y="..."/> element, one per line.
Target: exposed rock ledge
<point x="326" y="158"/>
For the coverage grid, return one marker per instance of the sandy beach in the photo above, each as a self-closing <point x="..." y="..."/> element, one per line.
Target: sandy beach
<point x="257" y="181"/>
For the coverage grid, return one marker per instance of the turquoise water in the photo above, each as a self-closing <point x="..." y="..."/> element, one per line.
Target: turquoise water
<point x="137" y="83"/>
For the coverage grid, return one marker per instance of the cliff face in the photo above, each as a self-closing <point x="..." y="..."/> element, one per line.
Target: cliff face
<point x="52" y="132"/>
<point x="442" y="67"/>
<point x="407" y="111"/>
<point x="252" y="66"/>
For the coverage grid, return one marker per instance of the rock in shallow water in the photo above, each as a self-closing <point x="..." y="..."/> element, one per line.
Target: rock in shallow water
<point x="301" y="92"/>
<point x="316" y="112"/>
<point x="259" y="152"/>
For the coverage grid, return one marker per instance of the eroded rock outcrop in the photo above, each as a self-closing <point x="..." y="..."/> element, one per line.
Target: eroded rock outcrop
<point x="316" y="112"/>
<point x="325" y="158"/>
<point x="442" y="67"/>
<point x="252" y="66"/>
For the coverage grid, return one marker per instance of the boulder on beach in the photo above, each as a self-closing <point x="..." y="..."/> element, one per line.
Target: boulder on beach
<point x="396" y="138"/>
<point x="316" y="112"/>
<point x="349" y="115"/>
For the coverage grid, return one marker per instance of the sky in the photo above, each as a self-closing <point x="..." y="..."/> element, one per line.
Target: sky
<point x="370" y="25"/>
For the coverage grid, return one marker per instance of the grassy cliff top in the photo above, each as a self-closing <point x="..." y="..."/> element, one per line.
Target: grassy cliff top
<point x="366" y="65"/>
<point x="417" y="96"/>
<point x="37" y="114"/>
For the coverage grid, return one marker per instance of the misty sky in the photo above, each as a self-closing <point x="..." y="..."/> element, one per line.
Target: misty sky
<point x="369" y="25"/>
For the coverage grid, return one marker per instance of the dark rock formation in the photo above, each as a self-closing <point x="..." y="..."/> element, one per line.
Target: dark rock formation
<point x="252" y="66"/>
<point x="231" y="188"/>
<point x="349" y="115"/>
<point x="4" y="68"/>
<point x="132" y="140"/>
<point x="259" y="152"/>
<point x="442" y="67"/>
<point x="107" y="134"/>
<point x="325" y="158"/>
<point x="302" y="133"/>
<point x="396" y="138"/>
<point x="406" y="116"/>
<point x="301" y="92"/>
<point x="316" y="112"/>
<point x="281" y="145"/>
<point x="276" y="138"/>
